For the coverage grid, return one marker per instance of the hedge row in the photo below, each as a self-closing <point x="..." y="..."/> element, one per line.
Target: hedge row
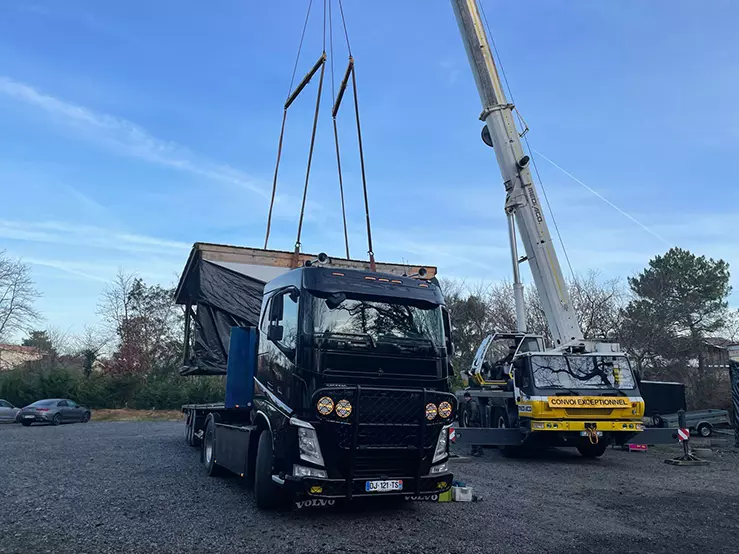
<point x="110" y="391"/>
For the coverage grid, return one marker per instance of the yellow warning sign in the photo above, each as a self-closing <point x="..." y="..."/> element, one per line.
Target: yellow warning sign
<point x="588" y="402"/>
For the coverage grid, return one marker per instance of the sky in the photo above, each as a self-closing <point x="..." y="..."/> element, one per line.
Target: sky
<point x="130" y="130"/>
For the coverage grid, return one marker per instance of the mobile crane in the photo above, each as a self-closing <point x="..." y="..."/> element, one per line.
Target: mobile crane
<point x="580" y="392"/>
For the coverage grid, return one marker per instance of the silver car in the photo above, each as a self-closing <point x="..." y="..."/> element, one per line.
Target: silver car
<point x="54" y="411"/>
<point x="8" y="412"/>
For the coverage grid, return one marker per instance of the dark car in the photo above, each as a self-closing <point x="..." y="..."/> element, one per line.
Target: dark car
<point x="54" y="411"/>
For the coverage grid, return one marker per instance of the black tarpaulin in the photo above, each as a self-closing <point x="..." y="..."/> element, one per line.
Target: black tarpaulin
<point x="223" y="298"/>
<point x="734" y="373"/>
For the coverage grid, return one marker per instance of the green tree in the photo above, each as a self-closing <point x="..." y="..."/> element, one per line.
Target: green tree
<point x="39" y="340"/>
<point x="147" y="326"/>
<point x="680" y="299"/>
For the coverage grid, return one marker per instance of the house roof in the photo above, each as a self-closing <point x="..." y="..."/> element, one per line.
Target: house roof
<point x="719" y="342"/>
<point x="20" y="349"/>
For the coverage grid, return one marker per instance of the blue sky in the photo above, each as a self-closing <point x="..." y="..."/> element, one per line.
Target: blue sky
<point x="130" y="130"/>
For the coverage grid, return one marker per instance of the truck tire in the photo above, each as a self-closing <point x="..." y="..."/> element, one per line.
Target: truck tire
<point x="209" y="449"/>
<point x="501" y="422"/>
<point x="705" y="430"/>
<point x="588" y="450"/>
<point x="266" y="491"/>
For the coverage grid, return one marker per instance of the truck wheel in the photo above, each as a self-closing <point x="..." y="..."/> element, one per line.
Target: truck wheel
<point x="501" y="422"/>
<point x="588" y="450"/>
<point x="209" y="450"/>
<point x="267" y="492"/>
<point x="705" y="429"/>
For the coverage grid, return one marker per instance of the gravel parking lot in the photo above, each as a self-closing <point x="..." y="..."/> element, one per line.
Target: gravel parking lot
<point x="136" y="487"/>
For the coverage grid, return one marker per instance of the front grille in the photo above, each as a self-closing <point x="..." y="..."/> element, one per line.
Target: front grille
<point x="591" y="412"/>
<point x="385" y="463"/>
<point x="386" y="433"/>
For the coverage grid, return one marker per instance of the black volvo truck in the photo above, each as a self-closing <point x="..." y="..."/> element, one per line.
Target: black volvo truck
<point x="337" y="379"/>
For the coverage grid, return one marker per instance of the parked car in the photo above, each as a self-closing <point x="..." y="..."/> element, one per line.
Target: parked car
<point x="54" y="411"/>
<point x="8" y="412"/>
<point x="701" y="421"/>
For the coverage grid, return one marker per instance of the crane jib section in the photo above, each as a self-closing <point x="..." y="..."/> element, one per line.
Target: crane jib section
<point x="521" y="197"/>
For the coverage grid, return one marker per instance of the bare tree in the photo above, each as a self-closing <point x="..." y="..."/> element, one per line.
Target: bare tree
<point x="115" y="302"/>
<point x="17" y="296"/>
<point x="90" y="344"/>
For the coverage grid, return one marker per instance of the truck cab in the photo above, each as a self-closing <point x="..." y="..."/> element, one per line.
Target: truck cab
<point x="559" y="398"/>
<point x="337" y="374"/>
<point x="352" y="379"/>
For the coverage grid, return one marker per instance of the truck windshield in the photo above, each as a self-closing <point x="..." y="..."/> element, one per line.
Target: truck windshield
<point x="582" y="372"/>
<point x="379" y="321"/>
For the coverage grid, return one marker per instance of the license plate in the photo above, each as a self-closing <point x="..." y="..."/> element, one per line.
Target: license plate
<point x="384" y="486"/>
<point x="29" y="417"/>
<point x="585" y="433"/>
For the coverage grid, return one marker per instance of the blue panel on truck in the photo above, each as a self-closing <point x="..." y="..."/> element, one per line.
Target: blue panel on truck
<point x="242" y="359"/>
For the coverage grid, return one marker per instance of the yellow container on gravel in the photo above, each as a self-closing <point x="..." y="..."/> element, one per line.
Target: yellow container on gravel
<point x="446" y="496"/>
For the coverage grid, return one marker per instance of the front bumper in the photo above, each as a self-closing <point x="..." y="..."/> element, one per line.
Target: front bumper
<point x="604" y="426"/>
<point x="343" y="488"/>
<point x="33" y="418"/>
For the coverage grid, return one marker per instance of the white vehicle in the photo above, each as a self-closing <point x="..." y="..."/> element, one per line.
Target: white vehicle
<point x="8" y="412"/>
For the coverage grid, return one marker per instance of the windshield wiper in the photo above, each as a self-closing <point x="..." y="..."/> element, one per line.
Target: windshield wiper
<point x="370" y="339"/>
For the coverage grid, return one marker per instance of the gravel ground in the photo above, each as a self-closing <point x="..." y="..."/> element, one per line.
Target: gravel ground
<point x="136" y="487"/>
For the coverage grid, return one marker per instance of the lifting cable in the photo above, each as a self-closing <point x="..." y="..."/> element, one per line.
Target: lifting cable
<point x="284" y="119"/>
<point x="351" y="72"/>
<point x="337" y="98"/>
<point x="334" y="111"/>
<point x="526" y="139"/>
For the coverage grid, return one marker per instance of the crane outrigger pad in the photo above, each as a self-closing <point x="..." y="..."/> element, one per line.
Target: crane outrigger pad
<point x="222" y="286"/>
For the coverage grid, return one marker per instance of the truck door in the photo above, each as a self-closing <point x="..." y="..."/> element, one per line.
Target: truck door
<point x="278" y="343"/>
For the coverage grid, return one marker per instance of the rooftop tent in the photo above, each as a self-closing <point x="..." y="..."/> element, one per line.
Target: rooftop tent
<point x="221" y="287"/>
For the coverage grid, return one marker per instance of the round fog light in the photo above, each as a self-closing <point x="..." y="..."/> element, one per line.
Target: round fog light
<point x="343" y="408"/>
<point x="431" y="411"/>
<point x="325" y="405"/>
<point x="445" y="409"/>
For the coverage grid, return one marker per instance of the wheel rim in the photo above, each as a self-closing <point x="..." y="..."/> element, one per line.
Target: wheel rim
<point x="56" y="419"/>
<point x="705" y="431"/>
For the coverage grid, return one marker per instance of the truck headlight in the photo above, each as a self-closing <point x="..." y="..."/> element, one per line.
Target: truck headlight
<point x="441" y="468"/>
<point x="442" y="444"/>
<point x="302" y="471"/>
<point x="310" y="450"/>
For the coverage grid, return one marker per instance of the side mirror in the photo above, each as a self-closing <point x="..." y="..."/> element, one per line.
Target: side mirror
<point x="277" y="308"/>
<point x="275" y="332"/>
<point x="335" y="300"/>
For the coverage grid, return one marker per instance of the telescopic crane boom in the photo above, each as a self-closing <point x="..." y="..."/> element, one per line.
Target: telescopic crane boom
<point x="522" y="200"/>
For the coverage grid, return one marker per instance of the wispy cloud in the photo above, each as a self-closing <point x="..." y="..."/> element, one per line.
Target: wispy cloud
<point x="73" y="268"/>
<point x="89" y="236"/>
<point x="127" y="138"/>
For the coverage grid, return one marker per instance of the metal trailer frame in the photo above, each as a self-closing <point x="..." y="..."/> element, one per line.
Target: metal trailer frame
<point x="490" y="436"/>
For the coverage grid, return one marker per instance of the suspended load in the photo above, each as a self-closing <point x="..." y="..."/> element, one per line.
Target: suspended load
<point x="221" y="287"/>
